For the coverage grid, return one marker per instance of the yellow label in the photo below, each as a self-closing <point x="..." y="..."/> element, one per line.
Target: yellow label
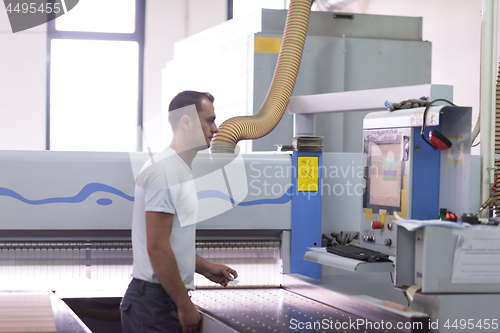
<point x="402" y="213"/>
<point x="383" y="218"/>
<point x="307" y="173"/>
<point x="267" y="44"/>
<point x="368" y="213"/>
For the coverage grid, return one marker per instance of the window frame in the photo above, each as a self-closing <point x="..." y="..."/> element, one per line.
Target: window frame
<point x="229" y="10"/>
<point x="137" y="36"/>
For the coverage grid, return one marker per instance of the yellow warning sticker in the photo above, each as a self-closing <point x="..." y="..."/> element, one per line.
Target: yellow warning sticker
<point x="307" y="173"/>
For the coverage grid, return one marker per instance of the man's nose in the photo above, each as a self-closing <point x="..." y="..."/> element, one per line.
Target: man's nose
<point x="215" y="129"/>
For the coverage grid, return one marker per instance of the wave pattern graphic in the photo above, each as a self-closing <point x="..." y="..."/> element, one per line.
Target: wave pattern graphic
<point x="83" y="195"/>
<point x="98" y="187"/>
<point x="287" y="196"/>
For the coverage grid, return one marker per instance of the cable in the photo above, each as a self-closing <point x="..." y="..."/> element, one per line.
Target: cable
<point x="425" y="118"/>
<point x="477" y="129"/>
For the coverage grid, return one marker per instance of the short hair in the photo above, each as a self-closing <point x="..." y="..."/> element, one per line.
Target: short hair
<point x="183" y="99"/>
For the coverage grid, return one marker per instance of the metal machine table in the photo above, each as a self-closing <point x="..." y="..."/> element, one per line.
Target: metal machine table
<point x="282" y="310"/>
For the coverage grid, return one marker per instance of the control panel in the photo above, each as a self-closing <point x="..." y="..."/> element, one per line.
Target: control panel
<point x="386" y="158"/>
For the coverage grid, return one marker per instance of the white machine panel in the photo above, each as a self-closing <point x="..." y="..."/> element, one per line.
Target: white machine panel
<point x="49" y="190"/>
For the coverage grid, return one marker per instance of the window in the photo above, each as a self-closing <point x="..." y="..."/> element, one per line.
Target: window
<point x="240" y="8"/>
<point x="95" y="77"/>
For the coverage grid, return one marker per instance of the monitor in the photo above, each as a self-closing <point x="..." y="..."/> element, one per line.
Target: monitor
<point x="384" y="173"/>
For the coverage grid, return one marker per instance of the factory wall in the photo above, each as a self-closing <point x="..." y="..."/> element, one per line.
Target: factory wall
<point x="166" y="23"/>
<point x="23" y="71"/>
<point x="22" y="86"/>
<point x="453" y="27"/>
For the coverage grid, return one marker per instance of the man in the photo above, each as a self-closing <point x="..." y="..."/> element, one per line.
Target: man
<point x="163" y="227"/>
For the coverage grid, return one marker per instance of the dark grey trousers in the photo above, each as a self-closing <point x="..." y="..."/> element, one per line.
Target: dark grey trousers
<point x="146" y="307"/>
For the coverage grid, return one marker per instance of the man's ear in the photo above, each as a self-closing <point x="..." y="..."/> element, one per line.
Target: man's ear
<point x="185" y="121"/>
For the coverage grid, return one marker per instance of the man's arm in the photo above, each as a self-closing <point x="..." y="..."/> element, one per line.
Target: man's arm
<point x="214" y="272"/>
<point x="158" y="229"/>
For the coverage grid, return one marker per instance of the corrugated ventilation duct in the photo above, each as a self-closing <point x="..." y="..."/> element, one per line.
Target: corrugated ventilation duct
<point x="265" y="120"/>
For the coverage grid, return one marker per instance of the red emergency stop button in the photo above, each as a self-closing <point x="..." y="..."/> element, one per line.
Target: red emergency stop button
<point x="377" y="225"/>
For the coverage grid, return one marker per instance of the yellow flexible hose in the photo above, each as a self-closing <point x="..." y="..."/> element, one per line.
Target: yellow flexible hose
<point x="265" y="120"/>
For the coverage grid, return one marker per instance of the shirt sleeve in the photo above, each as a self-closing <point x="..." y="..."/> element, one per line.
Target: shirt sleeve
<point x="157" y="194"/>
<point x="159" y="201"/>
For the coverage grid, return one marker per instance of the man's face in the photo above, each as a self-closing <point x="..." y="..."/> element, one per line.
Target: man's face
<point x="207" y="120"/>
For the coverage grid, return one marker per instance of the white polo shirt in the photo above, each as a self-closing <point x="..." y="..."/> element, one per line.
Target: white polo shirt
<point x="166" y="185"/>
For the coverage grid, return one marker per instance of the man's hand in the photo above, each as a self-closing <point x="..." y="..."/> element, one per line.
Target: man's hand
<point x="220" y="274"/>
<point x="217" y="273"/>
<point x="189" y="317"/>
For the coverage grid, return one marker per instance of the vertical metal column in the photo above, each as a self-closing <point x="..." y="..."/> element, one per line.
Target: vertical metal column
<point x="487" y="105"/>
<point x="425" y="178"/>
<point x="306" y="211"/>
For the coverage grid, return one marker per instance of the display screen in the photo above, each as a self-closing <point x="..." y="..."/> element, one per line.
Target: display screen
<point x="384" y="172"/>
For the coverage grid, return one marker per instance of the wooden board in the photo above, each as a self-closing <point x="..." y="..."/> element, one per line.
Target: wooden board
<point x="26" y="313"/>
